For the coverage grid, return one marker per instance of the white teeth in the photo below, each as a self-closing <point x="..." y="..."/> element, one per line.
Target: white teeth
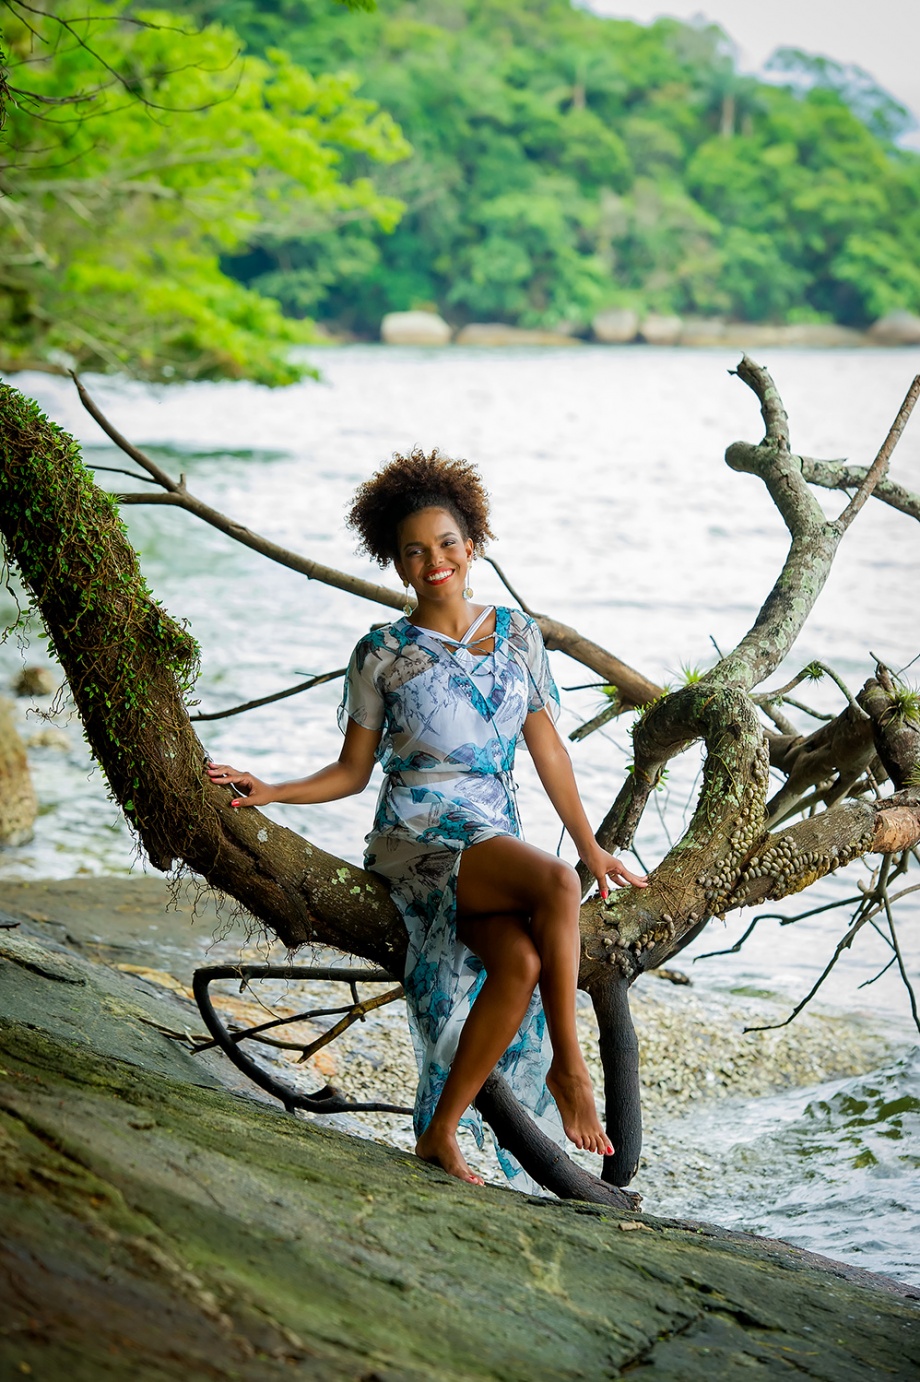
<point x="439" y="577"/>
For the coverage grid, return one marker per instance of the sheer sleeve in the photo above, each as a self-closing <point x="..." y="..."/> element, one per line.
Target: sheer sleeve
<point x="542" y="691"/>
<point x="363" y="699"/>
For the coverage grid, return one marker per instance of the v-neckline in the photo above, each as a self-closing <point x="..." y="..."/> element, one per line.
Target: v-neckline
<point x="463" y="642"/>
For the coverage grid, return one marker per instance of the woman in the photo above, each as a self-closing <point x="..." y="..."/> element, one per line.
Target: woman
<point x="440" y="699"/>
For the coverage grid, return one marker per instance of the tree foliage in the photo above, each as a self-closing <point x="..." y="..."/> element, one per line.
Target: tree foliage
<point x="138" y="150"/>
<point x="564" y="163"/>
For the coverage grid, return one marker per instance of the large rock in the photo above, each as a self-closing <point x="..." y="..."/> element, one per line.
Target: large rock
<point x="499" y="334"/>
<point x="160" y="1228"/>
<point x="896" y="329"/>
<point x="18" y="805"/>
<point x="616" y="326"/>
<point x="660" y="330"/>
<point x="35" y="681"/>
<point x="414" y="328"/>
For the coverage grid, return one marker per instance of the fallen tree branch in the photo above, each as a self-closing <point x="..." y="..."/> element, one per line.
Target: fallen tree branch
<point x="634" y="689"/>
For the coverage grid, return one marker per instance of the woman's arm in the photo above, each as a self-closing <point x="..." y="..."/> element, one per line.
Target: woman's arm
<point x="554" y="767"/>
<point x="347" y="776"/>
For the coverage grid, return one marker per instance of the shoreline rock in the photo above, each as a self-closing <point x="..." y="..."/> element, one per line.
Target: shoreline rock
<point x="694" y="1054"/>
<point x="18" y="802"/>
<point x="896" y="329"/>
<point x="616" y="326"/>
<point x="414" y="328"/>
<point x="622" y="326"/>
<point x="159" y="1226"/>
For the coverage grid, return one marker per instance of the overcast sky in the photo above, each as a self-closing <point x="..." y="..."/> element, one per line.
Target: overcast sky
<point x="883" y="36"/>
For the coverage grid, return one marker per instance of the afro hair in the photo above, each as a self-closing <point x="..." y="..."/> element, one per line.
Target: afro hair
<point x="410" y="483"/>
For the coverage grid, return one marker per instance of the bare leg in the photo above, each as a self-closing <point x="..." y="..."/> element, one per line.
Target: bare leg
<point x="512" y="970"/>
<point x="510" y="875"/>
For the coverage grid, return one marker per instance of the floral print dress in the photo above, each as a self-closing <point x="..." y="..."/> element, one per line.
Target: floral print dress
<point x="450" y="723"/>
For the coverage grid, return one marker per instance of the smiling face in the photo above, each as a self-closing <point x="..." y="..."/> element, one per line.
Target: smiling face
<point x="434" y="556"/>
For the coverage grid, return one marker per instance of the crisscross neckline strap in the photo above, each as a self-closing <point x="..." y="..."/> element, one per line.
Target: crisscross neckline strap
<point x="467" y="639"/>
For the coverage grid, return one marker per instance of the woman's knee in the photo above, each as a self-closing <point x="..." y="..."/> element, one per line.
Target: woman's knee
<point x="560" y="884"/>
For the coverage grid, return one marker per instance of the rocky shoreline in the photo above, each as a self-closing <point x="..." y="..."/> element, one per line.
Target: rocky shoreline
<point x="624" y="326"/>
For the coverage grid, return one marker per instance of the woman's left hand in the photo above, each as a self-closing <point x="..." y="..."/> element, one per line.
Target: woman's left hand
<point x="604" y="866"/>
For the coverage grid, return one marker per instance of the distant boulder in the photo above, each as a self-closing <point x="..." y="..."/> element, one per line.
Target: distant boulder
<point x="35" y="681"/>
<point x="617" y="326"/>
<point x="896" y="329"/>
<point x="414" y="328"/>
<point x="18" y="806"/>
<point x="499" y="334"/>
<point x="661" y="330"/>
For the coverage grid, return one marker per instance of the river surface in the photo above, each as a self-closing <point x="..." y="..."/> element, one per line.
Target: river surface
<point x="617" y="514"/>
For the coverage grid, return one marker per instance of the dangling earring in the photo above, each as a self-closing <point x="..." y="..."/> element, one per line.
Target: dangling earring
<point x="468" y="589"/>
<point x="407" y="607"/>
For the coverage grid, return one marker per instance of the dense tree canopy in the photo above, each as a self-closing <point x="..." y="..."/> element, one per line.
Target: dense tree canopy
<point x="183" y="190"/>
<point x="564" y="163"/>
<point x="134" y="155"/>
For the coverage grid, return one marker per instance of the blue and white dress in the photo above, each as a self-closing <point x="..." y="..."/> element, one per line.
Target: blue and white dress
<point x="450" y="724"/>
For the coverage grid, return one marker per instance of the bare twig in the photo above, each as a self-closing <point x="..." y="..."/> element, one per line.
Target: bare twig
<point x="775" y="418"/>
<point x="835" y="677"/>
<point x="779" y="693"/>
<point x="897" y="951"/>
<point x="779" y="719"/>
<point x="808" y="710"/>
<point x="276" y="696"/>
<point x="732" y="949"/>
<point x="878" y="467"/>
<point x="609" y="712"/>
<point x="783" y="921"/>
<point x="119" y="470"/>
<point x="128" y="81"/>
<point x="508" y="586"/>
<point x="355" y="1014"/>
<point x="843" y="944"/>
<point x="881" y="974"/>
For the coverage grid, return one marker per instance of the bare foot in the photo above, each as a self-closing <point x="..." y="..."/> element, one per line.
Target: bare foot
<point x="575" y="1099"/>
<point x="441" y="1149"/>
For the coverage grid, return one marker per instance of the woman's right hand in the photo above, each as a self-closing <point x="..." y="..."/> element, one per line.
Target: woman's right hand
<point x="252" y="790"/>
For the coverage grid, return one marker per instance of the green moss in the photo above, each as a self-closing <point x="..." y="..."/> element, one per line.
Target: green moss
<point x="82" y="578"/>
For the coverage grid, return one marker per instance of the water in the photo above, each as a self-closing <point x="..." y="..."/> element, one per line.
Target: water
<point x="616" y="514"/>
<point x="833" y="1169"/>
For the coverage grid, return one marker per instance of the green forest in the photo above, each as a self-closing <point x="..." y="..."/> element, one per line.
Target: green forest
<point x="522" y="161"/>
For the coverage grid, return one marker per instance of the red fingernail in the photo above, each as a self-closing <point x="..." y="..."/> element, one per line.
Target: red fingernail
<point x="234" y="803"/>
<point x="604" y="896"/>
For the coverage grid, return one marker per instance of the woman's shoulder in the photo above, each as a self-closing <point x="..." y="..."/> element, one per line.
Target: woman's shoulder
<point x="515" y="624"/>
<point x="383" y="640"/>
<point x="393" y="653"/>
